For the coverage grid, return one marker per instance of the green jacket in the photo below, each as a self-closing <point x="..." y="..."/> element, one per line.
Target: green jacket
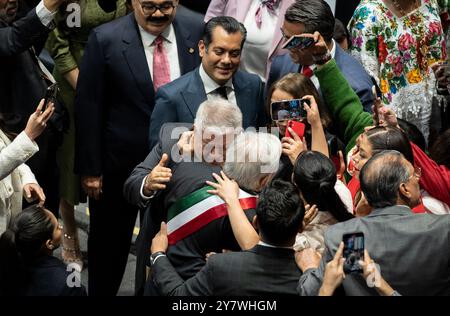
<point x="345" y="107"/>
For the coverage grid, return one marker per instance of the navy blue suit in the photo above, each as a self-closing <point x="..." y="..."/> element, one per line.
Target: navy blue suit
<point x="179" y="101"/>
<point x="352" y="70"/>
<point x="115" y="98"/>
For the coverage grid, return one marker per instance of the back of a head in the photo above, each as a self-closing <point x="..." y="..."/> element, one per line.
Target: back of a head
<point x="315" y="177"/>
<point x="381" y="177"/>
<point x="228" y="23"/>
<point x="280" y="212"/>
<point x="21" y="244"/>
<point x="340" y="32"/>
<point x="218" y="113"/>
<point x="390" y="138"/>
<point x="315" y="15"/>
<point x="251" y="157"/>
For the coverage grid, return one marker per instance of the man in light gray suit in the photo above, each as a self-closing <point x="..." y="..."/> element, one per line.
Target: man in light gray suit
<point x="413" y="251"/>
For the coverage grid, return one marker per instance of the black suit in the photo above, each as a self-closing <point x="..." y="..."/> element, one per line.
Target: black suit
<point x="115" y="98"/>
<point x="258" y="271"/>
<point x="21" y="88"/>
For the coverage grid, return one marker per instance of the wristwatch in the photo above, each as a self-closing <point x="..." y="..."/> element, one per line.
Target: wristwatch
<point x="155" y="256"/>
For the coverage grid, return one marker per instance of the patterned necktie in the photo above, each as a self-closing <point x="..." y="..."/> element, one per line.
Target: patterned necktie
<point x="161" y="67"/>
<point x="307" y="71"/>
<point x="270" y="5"/>
<point x="222" y="92"/>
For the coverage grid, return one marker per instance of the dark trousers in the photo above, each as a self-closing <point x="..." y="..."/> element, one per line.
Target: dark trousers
<point x="111" y="226"/>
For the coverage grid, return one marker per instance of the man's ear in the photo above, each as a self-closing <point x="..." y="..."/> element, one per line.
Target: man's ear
<point x="201" y="48"/>
<point x="49" y="244"/>
<point x="255" y="222"/>
<point x="404" y="191"/>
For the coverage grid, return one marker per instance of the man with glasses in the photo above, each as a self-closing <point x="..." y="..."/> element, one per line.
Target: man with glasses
<point x="316" y="16"/>
<point x="412" y="250"/>
<point x="125" y="62"/>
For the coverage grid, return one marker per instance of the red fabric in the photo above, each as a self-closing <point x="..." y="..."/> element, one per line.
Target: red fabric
<point x="161" y="67"/>
<point x="307" y="71"/>
<point x="435" y="179"/>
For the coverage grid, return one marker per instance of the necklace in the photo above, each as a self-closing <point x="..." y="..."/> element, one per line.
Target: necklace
<point x="400" y="9"/>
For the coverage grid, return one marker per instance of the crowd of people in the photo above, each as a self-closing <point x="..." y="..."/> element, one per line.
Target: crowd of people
<point x="250" y="138"/>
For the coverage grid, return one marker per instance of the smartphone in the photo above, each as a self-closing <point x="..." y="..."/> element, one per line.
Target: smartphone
<point x="353" y="252"/>
<point x="50" y="95"/>
<point x="288" y="109"/>
<point x="297" y="127"/>
<point x="298" y="42"/>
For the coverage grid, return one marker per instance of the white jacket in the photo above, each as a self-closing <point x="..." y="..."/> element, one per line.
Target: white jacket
<point x="14" y="174"/>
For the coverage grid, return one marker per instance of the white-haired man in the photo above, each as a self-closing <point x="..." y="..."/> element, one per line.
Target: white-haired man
<point x="214" y="118"/>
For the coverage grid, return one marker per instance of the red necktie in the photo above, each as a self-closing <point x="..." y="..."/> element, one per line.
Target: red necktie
<point x="161" y="67"/>
<point x="306" y="71"/>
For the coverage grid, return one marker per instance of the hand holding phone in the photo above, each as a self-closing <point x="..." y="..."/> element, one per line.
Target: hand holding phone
<point x="297" y="127"/>
<point x="50" y="95"/>
<point x="353" y="252"/>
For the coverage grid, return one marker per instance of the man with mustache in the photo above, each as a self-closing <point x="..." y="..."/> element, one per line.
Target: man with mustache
<point x="124" y="63"/>
<point x="218" y="75"/>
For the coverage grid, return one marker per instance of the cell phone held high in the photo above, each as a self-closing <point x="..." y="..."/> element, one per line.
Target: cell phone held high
<point x="298" y="42"/>
<point x="353" y="252"/>
<point x="50" y="95"/>
<point x="288" y="109"/>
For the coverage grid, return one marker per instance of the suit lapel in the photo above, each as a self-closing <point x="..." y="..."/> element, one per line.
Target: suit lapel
<point x="242" y="91"/>
<point x="195" y="93"/>
<point x="134" y="54"/>
<point x="187" y="49"/>
<point x="277" y="36"/>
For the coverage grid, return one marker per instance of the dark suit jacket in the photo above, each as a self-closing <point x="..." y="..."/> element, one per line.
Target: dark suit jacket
<point x="179" y="101"/>
<point x="352" y="70"/>
<point x="413" y="251"/>
<point x="21" y="86"/>
<point x="258" y="271"/>
<point x="48" y="277"/>
<point x="115" y="94"/>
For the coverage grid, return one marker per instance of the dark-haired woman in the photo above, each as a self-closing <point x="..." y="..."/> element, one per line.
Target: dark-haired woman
<point x="315" y="177"/>
<point x="27" y="266"/>
<point x="66" y="45"/>
<point x="347" y="111"/>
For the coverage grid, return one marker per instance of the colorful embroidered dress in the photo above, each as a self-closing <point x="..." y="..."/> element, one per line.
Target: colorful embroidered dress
<point x="397" y="52"/>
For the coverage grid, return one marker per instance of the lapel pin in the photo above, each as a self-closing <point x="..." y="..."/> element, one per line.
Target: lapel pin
<point x="191" y="50"/>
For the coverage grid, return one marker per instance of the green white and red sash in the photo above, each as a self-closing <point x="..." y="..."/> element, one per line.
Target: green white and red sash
<point x="198" y="209"/>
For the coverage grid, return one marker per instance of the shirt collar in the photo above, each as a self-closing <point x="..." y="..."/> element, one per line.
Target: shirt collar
<point x="209" y="84"/>
<point x="148" y="39"/>
<point x="262" y="243"/>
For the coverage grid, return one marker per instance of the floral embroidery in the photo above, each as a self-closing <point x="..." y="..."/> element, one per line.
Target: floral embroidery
<point x="414" y="76"/>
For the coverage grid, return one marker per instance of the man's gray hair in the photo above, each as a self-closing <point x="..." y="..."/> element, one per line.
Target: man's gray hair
<point x="251" y="157"/>
<point x="218" y="113"/>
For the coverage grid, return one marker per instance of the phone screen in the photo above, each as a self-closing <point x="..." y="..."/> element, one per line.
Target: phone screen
<point x="353" y="252"/>
<point x="288" y="110"/>
<point x="298" y="42"/>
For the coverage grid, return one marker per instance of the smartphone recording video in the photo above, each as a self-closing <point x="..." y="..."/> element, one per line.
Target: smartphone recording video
<point x="298" y="42"/>
<point x="353" y="252"/>
<point x="50" y="95"/>
<point x="288" y="110"/>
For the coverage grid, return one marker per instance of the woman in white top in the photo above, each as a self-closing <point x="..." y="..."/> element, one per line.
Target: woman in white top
<point x="16" y="179"/>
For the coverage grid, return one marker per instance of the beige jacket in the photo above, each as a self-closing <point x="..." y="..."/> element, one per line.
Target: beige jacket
<point x="14" y="174"/>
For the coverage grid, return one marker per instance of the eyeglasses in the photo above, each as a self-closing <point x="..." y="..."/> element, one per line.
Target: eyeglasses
<point x="150" y="8"/>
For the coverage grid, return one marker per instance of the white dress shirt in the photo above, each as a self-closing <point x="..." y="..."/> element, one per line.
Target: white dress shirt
<point x="170" y="45"/>
<point x="314" y="79"/>
<point x="210" y="86"/>
<point x="259" y="40"/>
<point x="44" y="14"/>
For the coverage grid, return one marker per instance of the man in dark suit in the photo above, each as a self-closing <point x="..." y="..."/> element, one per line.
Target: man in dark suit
<point x="316" y="16"/>
<point x="23" y="84"/>
<point x="125" y="61"/>
<point x="218" y="75"/>
<point x="148" y="183"/>
<point x="267" y="269"/>
<point x="413" y="251"/>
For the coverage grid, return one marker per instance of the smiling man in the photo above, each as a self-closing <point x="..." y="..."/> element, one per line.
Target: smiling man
<point x="124" y="63"/>
<point x="218" y="75"/>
